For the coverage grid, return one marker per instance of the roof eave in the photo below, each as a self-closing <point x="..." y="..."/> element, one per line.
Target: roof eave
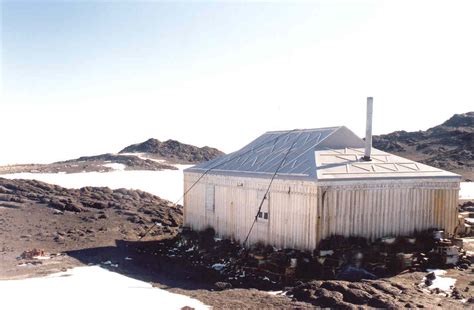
<point x="260" y="175"/>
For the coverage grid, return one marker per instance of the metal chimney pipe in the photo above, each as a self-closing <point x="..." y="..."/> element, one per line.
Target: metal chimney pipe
<point x="368" y="130"/>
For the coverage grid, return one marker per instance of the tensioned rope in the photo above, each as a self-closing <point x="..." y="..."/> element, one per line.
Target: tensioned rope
<point x="227" y="161"/>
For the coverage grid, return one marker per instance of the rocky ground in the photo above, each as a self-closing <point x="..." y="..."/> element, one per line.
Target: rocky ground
<point x="102" y="226"/>
<point x="38" y="215"/>
<point x="386" y="294"/>
<point x="406" y="281"/>
<point x="449" y="146"/>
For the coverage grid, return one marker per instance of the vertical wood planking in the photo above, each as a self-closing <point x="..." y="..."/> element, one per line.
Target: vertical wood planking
<point x="301" y="214"/>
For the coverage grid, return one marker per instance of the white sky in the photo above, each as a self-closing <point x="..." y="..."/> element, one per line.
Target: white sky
<point x="220" y="75"/>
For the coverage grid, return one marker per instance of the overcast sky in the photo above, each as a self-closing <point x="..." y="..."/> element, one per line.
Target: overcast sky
<point x="88" y="77"/>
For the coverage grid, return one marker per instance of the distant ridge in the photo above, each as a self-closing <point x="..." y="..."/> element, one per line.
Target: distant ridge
<point x="449" y="146"/>
<point x="173" y="150"/>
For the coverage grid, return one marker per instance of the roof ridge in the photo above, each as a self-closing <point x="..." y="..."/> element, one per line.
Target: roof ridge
<point x="304" y="130"/>
<point x="329" y="135"/>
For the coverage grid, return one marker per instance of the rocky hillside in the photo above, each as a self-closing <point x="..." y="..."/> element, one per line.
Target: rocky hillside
<point x="130" y="161"/>
<point x="98" y="163"/>
<point x="449" y="146"/>
<point x="37" y="217"/>
<point x="135" y="208"/>
<point x="174" y="151"/>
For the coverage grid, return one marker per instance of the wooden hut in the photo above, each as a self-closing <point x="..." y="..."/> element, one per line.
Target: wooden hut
<point x="325" y="185"/>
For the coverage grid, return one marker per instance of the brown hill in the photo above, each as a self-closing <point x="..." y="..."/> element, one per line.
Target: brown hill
<point x="449" y="146"/>
<point x="174" y="151"/>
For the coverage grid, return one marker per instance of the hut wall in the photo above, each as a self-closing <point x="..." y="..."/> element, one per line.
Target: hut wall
<point x="291" y="207"/>
<point x="301" y="213"/>
<point x="375" y="208"/>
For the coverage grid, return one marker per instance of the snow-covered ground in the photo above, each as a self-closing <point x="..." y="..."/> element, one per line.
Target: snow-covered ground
<point x="143" y="156"/>
<point x="167" y="184"/>
<point x="89" y="287"/>
<point x="467" y="190"/>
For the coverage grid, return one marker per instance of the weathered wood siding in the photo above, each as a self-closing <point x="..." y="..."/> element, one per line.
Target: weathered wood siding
<point x="292" y="208"/>
<point x="303" y="212"/>
<point x="387" y="208"/>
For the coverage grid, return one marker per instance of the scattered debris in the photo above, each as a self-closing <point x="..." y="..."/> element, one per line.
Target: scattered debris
<point x="34" y="254"/>
<point x="465" y="226"/>
<point x="352" y="259"/>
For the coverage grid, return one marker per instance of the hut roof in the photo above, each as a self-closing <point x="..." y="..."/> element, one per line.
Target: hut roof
<point x="316" y="154"/>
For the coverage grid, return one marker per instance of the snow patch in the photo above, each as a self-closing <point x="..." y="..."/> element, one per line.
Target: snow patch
<point x="467" y="190"/>
<point x="115" y="166"/>
<point x="104" y="290"/>
<point x="109" y="263"/>
<point x="276" y="293"/>
<point x="144" y="157"/>
<point x="444" y="284"/>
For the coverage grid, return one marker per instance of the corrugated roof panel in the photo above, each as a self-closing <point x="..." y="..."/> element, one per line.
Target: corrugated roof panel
<point x="265" y="154"/>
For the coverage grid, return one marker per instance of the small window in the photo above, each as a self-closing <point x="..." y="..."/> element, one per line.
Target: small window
<point x="210" y="198"/>
<point x="263" y="216"/>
